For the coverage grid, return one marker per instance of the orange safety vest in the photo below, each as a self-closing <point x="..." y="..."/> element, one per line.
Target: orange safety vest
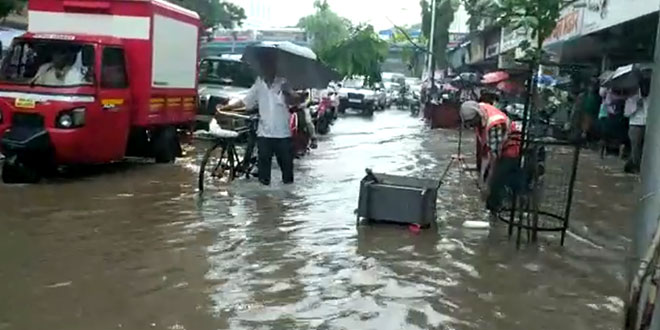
<point x="494" y="117"/>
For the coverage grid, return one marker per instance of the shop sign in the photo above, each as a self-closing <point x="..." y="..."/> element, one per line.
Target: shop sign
<point x="601" y="14"/>
<point x="568" y="26"/>
<point x="511" y="39"/>
<point x="455" y="39"/>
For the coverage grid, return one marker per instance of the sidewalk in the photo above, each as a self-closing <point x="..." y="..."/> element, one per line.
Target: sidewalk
<point x="604" y="201"/>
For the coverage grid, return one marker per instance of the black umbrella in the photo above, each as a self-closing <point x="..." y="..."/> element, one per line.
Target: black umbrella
<point x="297" y="64"/>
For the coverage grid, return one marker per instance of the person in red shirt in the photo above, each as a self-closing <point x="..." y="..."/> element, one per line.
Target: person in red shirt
<point x="498" y="143"/>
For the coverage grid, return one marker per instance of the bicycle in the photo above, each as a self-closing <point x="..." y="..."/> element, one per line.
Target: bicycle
<point x="223" y="159"/>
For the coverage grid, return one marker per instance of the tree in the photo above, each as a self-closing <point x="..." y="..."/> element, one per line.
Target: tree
<point x="361" y="54"/>
<point x="443" y="18"/>
<point x="9" y="6"/>
<point x="325" y="27"/>
<point x="214" y="12"/>
<point x="478" y="10"/>
<point x="411" y="51"/>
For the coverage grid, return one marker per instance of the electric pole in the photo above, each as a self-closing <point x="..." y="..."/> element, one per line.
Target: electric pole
<point x="431" y="64"/>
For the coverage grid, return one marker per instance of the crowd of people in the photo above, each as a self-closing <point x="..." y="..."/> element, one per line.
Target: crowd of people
<point x="615" y="118"/>
<point x="612" y="116"/>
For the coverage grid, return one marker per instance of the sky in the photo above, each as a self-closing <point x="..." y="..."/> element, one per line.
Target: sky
<point x="379" y="13"/>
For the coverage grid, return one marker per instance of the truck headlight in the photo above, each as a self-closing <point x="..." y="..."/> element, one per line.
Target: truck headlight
<point x="73" y="118"/>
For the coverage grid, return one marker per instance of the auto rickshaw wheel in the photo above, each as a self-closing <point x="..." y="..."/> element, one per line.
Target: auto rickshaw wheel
<point x="166" y="145"/>
<point x="14" y="171"/>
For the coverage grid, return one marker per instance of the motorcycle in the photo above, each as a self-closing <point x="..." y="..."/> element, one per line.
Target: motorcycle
<point x="414" y="103"/>
<point x="322" y="115"/>
<point x="300" y="129"/>
<point x="299" y="136"/>
<point x="401" y="101"/>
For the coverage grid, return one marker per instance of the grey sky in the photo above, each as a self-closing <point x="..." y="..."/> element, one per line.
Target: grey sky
<point x="278" y="13"/>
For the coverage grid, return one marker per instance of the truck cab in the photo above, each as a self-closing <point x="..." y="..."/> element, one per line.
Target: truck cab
<point x="93" y="82"/>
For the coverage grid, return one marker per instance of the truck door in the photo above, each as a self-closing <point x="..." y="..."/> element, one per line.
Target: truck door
<point x="115" y="102"/>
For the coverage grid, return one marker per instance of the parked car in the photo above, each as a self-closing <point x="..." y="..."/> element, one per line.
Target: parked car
<point x="412" y="81"/>
<point x="393" y="77"/>
<point x="221" y="78"/>
<point x="391" y="89"/>
<point x="354" y="94"/>
<point x="381" y="96"/>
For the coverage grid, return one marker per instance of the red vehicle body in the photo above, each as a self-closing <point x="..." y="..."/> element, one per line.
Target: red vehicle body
<point x="93" y="81"/>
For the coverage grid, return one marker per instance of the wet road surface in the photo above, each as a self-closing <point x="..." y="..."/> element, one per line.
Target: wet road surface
<point x="135" y="247"/>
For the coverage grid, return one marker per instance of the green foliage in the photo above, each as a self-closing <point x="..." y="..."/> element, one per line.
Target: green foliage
<point x="361" y="54"/>
<point x="479" y="11"/>
<point x="325" y="27"/>
<point x="9" y="6"/>
<point x="444" y="16"/>
<point x="214" y="12"/>
<point x="412" y="49"/>
<point x="352" y="51"/>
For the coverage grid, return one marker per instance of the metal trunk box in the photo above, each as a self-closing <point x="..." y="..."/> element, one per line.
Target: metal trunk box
<point x="398" y="199"/>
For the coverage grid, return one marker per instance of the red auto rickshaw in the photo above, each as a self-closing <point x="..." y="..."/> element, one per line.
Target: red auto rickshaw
<point x="94" y="81"/>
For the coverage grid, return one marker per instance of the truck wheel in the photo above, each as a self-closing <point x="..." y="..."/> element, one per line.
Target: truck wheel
<point x="342" y="109"/>
<point x="166" y="145"/>
<point x="138" y="143"/>
<point x="15" y="172"/>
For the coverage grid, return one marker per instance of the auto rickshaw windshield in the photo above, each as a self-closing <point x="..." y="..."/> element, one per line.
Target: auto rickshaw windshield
<point x="48" y="63"/>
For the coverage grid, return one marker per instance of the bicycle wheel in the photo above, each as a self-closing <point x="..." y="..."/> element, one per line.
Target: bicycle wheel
<point x="218" y="164"/>
<point x="249" y="158"/>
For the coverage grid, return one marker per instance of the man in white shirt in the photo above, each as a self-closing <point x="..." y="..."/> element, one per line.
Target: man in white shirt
<point x="59" y="72"/>
<point x="273" y="96"/>
<point x="635" y="109"/>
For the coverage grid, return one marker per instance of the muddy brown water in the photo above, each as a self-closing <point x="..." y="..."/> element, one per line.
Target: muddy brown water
<point x="135" y="247"/>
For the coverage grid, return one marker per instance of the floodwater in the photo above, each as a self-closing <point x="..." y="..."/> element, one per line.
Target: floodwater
<point x="134" y="246"/>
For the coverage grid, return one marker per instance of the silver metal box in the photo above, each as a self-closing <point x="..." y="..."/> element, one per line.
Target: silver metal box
<point x="398" y="199"/>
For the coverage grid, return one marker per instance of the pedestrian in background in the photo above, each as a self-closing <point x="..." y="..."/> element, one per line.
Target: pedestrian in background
<point x="636" y="110"/>
<point x="590" y="108"/>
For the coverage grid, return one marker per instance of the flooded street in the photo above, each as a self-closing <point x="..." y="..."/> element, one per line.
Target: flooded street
<point x="135" y="247"/>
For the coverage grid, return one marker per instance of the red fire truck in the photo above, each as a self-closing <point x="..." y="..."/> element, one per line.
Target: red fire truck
<point x="93" y="81"/>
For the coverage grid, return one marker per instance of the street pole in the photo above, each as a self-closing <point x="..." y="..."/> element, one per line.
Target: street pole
<point x="431" y="67"/>
<point x="648" y="208"/>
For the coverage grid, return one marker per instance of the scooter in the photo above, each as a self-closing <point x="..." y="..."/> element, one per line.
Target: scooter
<point x="414" y="103"/>
<point x="401" y="101"/>
<point x="302" y="139"/>
<point x="322" y="115"/>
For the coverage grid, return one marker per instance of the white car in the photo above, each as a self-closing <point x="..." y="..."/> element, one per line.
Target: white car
<point x="353" y="94"/>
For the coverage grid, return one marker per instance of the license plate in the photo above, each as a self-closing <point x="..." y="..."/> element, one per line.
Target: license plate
<point x="25" y="103"/>
<point x="354" y="100"/>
